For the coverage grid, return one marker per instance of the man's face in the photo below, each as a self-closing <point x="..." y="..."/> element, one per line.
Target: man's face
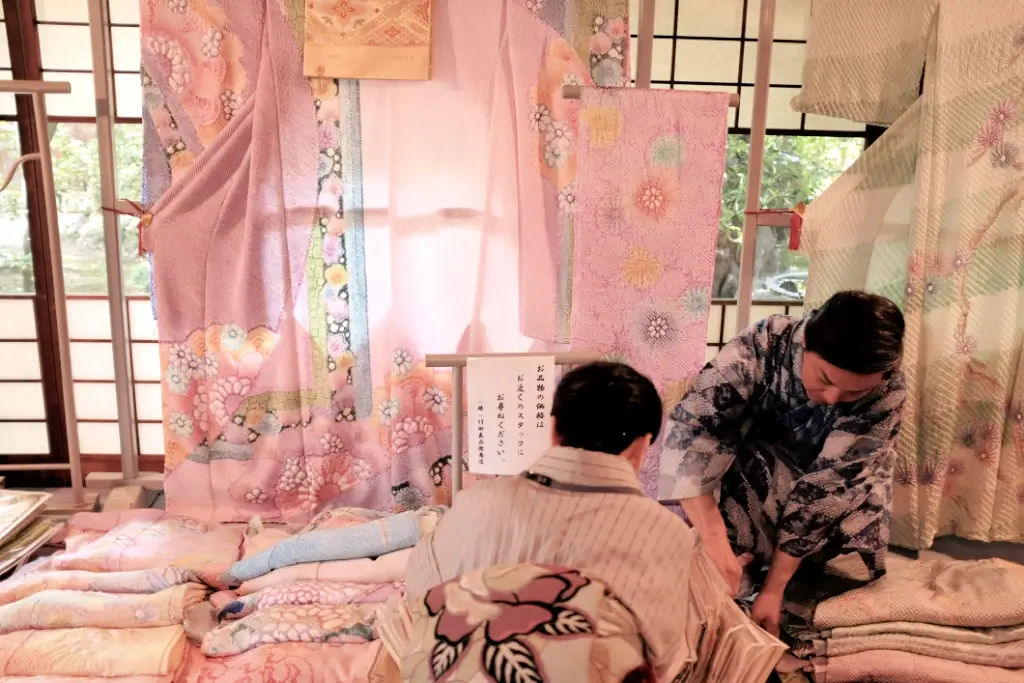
<point x="827" y="384"/>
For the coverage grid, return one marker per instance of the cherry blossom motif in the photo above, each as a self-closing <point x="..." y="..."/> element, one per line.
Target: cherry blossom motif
<point x="435" y="400"/>
<point x="961" y="259"/>
<point x="210" y="44"/>
<point x="989" y="136"/>
<point x="226" y="396"/>
<point x="293" y="475"/>
<point x="540" y="118"/>
<point x="656" y="198"/>
<point x="256" y="495"/>
<point x="179" y="354"/>
<point x="401" y="362"/>
<point x="535" y="6"/>
<point x="180" y="424"/>
<point x="332" y="444"/>
<point x="389" y="409"/>
<point x="567" y="198"/>
<point x="410" y="433"/>
<point x="361" y="469"/>
<point x="966" y="345"/>
<point x="1003" y="114"/>
<point x="176" y="380"/>
<point x="175" y="64"/>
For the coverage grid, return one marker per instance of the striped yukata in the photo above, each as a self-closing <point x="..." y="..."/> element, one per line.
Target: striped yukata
<point x="629" y="542"/>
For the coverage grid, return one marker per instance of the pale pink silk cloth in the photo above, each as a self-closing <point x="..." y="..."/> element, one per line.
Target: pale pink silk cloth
<point x="441" y="167"/>
<point x="648" y="201"/>
<point x="230" y="240"/>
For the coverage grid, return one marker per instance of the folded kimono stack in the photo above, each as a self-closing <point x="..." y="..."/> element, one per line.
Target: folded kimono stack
<point x="937" y="621"/>
<point x="114" y="602"/>
<point x="129" y="600"/>
<point x="724" y="644"/>
<point x="321" y="584"/>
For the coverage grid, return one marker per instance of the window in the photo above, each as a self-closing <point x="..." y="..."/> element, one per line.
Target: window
<point x="26" y="425"/>
<point x="701" y="45"/>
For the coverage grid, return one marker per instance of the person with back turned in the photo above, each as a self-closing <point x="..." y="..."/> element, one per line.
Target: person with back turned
<point x="580" y="506"/>
<point x="781" y="452"/>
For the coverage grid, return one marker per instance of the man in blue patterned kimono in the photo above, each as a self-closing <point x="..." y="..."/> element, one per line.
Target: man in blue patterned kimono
<point x="781" y="452"/>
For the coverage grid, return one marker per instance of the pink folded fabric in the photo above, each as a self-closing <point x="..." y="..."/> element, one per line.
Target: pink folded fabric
<point x="290" y="663"/>
<point x="139" y="581"/>
<point x="385" y="569"/>
<point x="93" y="652"/>
<point x="191" y="662"/>
<point x="140" y="539"/>
<point x="77" y="609"/>
<point x="889" y="666"/>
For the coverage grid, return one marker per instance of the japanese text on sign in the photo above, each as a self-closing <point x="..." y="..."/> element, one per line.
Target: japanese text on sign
<point x="510" y="398"/>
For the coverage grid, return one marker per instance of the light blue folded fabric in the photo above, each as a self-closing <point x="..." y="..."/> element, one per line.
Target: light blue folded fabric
<point x="379" y="537"/>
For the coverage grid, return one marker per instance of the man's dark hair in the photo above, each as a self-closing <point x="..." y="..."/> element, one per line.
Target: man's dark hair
<point x="604" y="407"/>
<point x="858" y="332"/>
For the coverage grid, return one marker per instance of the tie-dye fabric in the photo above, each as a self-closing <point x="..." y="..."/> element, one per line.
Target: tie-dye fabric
<point x="150" y="539"/>
<point x="77" y="609"/>
<point x="371" y="539"/>
<point x="647" y="214"/>
<point x="810" y="480"/>
<point x="272" y="261"/>
<point x="289" y="663"/>
<point x="93" y="652"/>
<point x="929" y="217"/>
<point x="141" y="581"/>
<point x="311" y="593"/>
<point x="316" y="623"/>
<point x="384" y="569"/>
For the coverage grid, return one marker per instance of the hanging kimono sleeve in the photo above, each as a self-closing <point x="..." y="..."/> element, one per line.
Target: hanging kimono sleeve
<point x="700" y="442"/>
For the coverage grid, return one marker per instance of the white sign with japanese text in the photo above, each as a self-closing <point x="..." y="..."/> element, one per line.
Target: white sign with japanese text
<point x="509" y="411"/>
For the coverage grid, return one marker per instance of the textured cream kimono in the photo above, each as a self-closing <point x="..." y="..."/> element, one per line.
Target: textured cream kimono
<point x="930" y="216"/>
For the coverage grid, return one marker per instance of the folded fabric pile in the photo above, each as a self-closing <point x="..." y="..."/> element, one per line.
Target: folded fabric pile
<point x="322" y="584"/>
<point x="937" y="621"/>
<point x="114" y="603"/>
<point x="128" y="600"/>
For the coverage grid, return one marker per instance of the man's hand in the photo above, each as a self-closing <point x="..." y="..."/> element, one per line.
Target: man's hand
<point x="767" y="611"/>
<point x="730" y="566"/>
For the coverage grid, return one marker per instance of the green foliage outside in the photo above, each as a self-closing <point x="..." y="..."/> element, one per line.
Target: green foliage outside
<point x="796" y="169"/>
<point x="76" y="172"/>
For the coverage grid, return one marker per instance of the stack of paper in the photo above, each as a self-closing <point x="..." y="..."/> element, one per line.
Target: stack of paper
<point x="22" y="530"/>
<point x="727" y="647"/>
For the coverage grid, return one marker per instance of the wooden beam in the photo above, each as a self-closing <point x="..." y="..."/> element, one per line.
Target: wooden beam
<point x="125" y="498"/>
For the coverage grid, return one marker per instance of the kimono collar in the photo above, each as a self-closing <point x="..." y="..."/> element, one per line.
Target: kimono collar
<point x="797" y="351"/>
<point x="586" y="468"/>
